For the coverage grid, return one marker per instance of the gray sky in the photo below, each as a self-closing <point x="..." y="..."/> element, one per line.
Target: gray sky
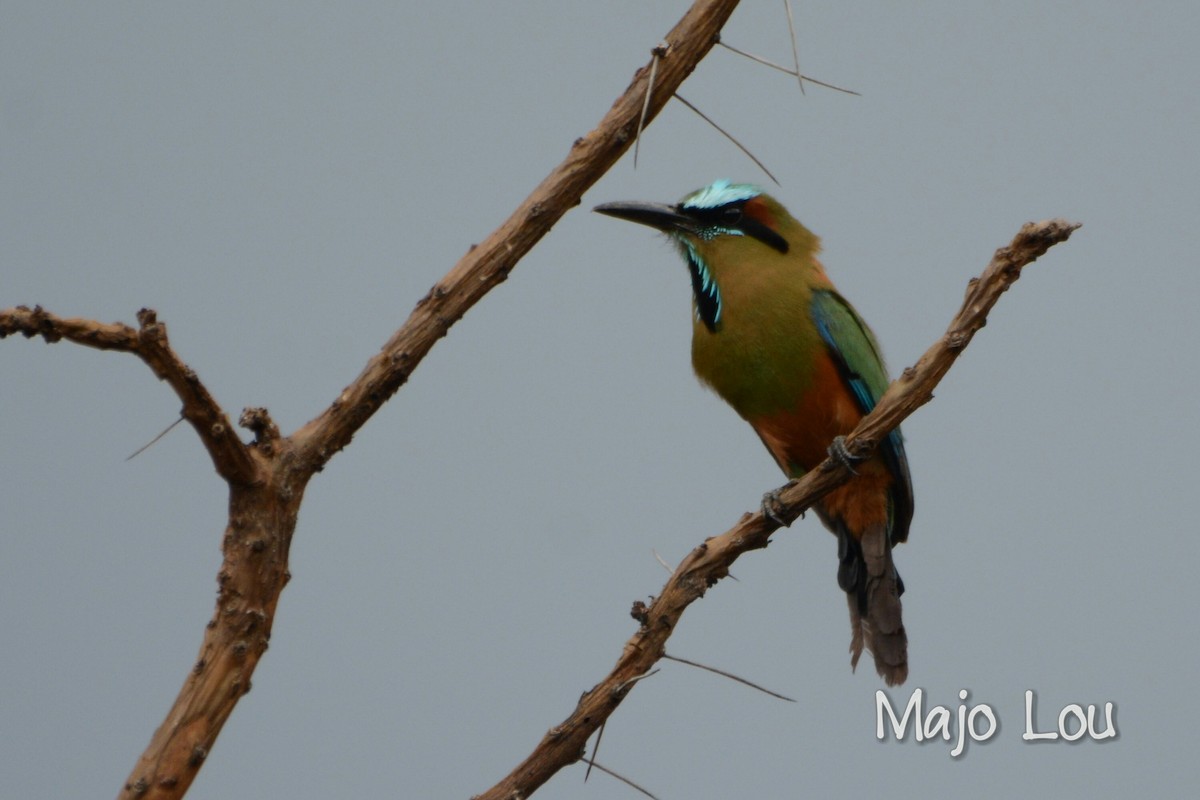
<point x="282" y="181"/>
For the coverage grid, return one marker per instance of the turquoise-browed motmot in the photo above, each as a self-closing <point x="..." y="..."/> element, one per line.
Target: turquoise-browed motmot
<point x="773" y="338"/>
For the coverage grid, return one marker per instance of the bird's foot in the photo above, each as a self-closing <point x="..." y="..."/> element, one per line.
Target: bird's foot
<point x="842" y="454"/>
<point x="772" y="507"/>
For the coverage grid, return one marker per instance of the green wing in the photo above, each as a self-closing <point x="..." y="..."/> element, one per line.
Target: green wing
<point x="860" y="364"/>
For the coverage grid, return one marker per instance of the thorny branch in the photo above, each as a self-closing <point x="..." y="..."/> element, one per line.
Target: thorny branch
<point x="267" y="477"/>
<point x="710" y="561"/>
<point x="149" y="343"/>
<point x="488" y="263"/>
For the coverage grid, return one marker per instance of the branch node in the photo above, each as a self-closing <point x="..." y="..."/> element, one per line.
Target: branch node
<point x="258" y="420"/>
<point x="197" y="757"/>
<point x="958" y="340"/>
<point x="37" y="323"/>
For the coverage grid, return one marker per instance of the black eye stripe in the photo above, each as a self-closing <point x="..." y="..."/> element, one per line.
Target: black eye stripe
<point x="752" y="227"/>
<point x="732" y="217"/>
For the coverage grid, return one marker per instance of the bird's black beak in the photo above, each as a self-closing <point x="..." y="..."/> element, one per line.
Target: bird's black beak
<point x="657" y="215"/>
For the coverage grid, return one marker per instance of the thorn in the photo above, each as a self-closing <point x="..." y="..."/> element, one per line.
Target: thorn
<point x="657" y="53"/>
<point x="725" y="133"/>
<point x="662" y="561"/>
<point x="786" y="71"/>
<point x="148" y="444"/>
<point x="624" y="686"/>
<point x="787" y="4"/>
<point x="591" y="763"/>
<point x="595" y="750"/>
<point x="729" y="675"/>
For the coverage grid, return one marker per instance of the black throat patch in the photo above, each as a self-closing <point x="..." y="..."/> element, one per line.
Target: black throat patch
<point x="705" y="291"/>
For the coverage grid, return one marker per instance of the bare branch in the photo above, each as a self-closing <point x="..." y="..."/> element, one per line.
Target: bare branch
<point x="267" y="478"/>
<point x="489" y="263"/>
<point x="230" y="456"/>
<point x="709" y="562"/>
<point x="262" y="519"/>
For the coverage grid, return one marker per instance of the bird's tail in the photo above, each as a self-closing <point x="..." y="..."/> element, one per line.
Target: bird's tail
<point x="873" y="588"/>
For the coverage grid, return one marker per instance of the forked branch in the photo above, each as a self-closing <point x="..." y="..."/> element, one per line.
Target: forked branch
<point x="148" y="342"/>
<point x="267" y="478"/>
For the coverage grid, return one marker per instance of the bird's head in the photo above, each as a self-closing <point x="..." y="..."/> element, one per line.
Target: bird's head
<point x="728" y="233"/>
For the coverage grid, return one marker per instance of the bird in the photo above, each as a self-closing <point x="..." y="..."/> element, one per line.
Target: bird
<point x="774" y="339"/>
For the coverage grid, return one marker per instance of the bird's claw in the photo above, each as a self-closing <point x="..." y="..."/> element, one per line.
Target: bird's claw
<point x="772" y="508"/>
<point x="839" y="451"/>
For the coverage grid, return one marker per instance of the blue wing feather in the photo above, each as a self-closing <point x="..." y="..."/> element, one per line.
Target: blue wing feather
<point x="856" y="354"/>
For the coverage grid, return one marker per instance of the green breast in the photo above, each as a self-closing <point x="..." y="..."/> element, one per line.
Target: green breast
<point x="763" y="357"/>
